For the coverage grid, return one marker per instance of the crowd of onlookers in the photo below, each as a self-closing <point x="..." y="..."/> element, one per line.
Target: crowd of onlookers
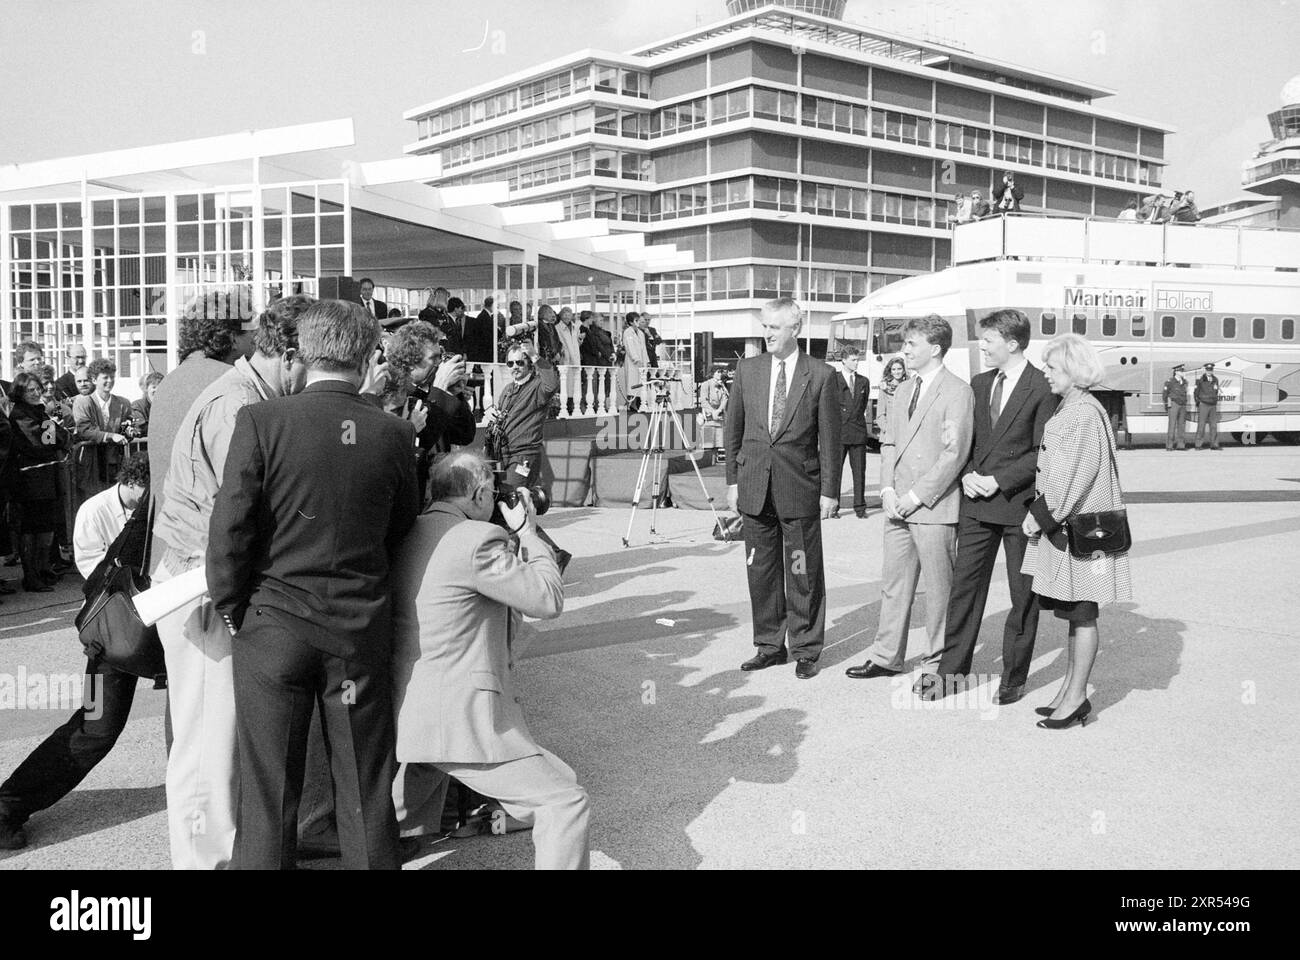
<point x="62" y="440"/>
<point x="1007" y="196"/>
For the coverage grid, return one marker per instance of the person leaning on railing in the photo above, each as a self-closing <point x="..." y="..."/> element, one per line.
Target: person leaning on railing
<point x="38" y="446"/>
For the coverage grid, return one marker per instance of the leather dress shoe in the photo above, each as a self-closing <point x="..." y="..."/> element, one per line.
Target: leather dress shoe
<point x="1006" y="696"/>
<point x="7" y="588"/>
<point x="869" y="671"/>
<point x="807" y="669"/>
<point x="764" y="660"/>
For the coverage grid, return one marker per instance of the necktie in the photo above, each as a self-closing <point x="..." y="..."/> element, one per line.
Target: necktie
<point x="370" y="307"/>
<point x="995" y="408"/>
<point x="778" y="400"/>
<point x="916" y="395"/>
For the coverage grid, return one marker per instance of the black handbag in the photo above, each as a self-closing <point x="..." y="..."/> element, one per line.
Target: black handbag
<point x="1106" y="533"/>
<point x="109" y="626"/>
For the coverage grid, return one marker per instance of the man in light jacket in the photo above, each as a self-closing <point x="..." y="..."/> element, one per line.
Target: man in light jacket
<point x="458" y="591"/>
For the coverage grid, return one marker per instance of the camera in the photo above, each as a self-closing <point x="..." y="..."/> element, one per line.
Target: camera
<point x="508" y="496"/>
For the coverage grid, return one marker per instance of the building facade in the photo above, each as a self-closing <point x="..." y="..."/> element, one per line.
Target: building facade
<point x="793" y="153"/>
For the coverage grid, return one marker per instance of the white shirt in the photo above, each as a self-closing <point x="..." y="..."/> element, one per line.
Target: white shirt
<point x="849" y="376"/>
<point x="1012" y="378"/>
<point x="105" y="408"/>
<point x="99" y="522"/>
<point x="789" y="376"/>
<point x="370" y="307"/>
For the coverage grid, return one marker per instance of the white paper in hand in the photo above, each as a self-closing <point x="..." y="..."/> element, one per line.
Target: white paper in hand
<point x="156" y="602"/>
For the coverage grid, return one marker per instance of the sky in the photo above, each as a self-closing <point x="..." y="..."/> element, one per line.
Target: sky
<point x="80" y="76"/>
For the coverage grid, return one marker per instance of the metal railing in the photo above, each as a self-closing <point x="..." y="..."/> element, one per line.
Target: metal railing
<point x="590" y="393"/>
<point x="1097" y="239"/>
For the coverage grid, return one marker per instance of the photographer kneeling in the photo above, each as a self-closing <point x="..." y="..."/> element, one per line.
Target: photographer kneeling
<point x="458" y="592"/>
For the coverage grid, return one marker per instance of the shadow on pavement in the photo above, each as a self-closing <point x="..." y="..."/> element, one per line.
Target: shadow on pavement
<point x="92" y="811"/>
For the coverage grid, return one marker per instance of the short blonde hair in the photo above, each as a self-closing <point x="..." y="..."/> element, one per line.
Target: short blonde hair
<point x="1077" y="358"/>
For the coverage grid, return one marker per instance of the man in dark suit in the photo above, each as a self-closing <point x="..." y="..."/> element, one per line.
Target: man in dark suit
<point x="783" y="460"/>
<point x="319" y="490"/>
<point x="1013" y="403"/>
<point x="376" y="308"/>
<point x="854" y="395"/>
<point x="66" y="385"/>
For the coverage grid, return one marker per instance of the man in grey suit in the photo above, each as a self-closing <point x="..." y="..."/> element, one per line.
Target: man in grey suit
<point x="783" y="472"/>
<point x="927" y="442"/>
<point x="458" y="591"/>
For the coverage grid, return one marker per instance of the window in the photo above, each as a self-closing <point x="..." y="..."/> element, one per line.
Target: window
<point x="1229" y="328"/>
<point x="606" y="79"/>
<point x="633" y="84"/>
<point x="1109" y="325"/>
<point x="606" y="163"/>
<point x="1259" y="328"/>
<point x="1288" y="328"/>
<point x="1198" y="328"/>
<point x="1049" y="324"/>
<point x="1138" y="326"/>
<point x="1079" y="324"/>
<point x="606" y="122"/>
<point x="1168" y="327"/>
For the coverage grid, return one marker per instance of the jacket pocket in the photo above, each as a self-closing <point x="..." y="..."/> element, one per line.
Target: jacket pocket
<point x="812" y="464"/>
<point x="486" y="680"/>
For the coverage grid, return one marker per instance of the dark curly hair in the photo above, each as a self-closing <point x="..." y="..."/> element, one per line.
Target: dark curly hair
<point x="134" y="470"/>
<point x="405" y="351"/>
<point x="101" y="366"/>
<point x="18" y="389"/>
<point x="277" y="331"/>
<point x="211" y="323"/>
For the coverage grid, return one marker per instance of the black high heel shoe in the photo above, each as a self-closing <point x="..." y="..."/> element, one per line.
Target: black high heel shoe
<point x="1080" y="715"/>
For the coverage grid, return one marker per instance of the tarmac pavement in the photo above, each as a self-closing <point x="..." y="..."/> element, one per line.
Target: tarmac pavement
<point x="1191" y="761"/>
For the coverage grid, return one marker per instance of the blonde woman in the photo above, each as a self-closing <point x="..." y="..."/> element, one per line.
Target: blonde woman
<point x="1076" y="474"/>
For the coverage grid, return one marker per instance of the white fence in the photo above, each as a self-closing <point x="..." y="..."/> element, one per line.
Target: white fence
<point x="589" y="393"/>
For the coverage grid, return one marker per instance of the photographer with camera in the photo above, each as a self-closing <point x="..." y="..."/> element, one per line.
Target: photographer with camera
<point x="514" y="424"/>
<point x="423" y="382"/>
<point x="513" y="329"/>
<point x="1007" y="196"/>
<point x="459" y="591"/>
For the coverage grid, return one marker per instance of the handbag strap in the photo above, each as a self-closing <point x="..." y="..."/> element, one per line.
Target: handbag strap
<point x="1110" y="443"/>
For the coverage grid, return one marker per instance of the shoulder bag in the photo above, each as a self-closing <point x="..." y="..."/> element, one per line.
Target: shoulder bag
<point x="1106" y="533"/>
<point x="109" y="626"/>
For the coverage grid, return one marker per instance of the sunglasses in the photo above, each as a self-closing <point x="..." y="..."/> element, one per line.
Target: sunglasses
<point x="517" y="363"/>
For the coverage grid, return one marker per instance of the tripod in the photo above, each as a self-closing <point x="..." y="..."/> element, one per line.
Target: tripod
<point x="654" y="451"/>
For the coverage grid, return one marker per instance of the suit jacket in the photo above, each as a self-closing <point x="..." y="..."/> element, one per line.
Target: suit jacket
<point x="1009" y="451"/>
<point x="598" y="348"/>
<point x="801" y="461"/>
<point x="89" y="418"/>
<point x="317" y="492"/>
<point x="913" y="456"/>
<point x="458" y="591"/>
<point x="381" y="309"/>
<point x="66" y="386"/>
<point x="853" y="408"/>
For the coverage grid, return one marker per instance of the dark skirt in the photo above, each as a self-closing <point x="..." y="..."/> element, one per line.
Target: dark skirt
<point x="37" y="516"/>
<point x="1074" y="611"/>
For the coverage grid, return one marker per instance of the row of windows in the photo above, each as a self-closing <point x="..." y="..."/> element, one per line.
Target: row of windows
<point x="828" y="114"/>
<point x="601" y="77"/>
<point x="762" y="282"/>
<point x="600" y="162"/>
<point x="1109" y="324"/>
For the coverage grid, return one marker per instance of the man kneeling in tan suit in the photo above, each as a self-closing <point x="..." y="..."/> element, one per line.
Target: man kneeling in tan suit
<point x="458" y="592"/>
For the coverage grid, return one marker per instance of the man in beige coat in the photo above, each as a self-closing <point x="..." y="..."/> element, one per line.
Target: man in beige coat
<point x="927" y="442"/>
<point x="458" y="592"/>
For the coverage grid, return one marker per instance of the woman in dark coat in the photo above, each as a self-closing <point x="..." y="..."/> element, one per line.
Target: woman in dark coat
<point x="38" y="444"/>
